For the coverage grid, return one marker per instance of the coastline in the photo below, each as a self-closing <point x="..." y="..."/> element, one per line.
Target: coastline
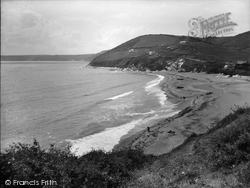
<point x="202" y="99"/>
<point x="110" y="136"/>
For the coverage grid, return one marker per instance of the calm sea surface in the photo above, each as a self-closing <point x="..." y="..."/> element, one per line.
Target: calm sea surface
<point x="69" y="102"/>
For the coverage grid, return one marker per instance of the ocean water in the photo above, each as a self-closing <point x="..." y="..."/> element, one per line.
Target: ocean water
<point x="69" y="102"/>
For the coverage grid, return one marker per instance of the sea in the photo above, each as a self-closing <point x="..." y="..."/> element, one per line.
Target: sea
<point x="71" y="103"/>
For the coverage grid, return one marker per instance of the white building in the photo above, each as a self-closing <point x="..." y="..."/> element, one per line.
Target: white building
<point x="183" y="42"/>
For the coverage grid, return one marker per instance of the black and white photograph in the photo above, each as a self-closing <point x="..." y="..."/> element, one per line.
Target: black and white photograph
<point x="125" y="93"/>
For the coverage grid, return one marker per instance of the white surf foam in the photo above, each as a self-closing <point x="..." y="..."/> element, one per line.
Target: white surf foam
<point x="105" y="140"/>
<point x="154" y="83"/>
<point x="119" y="96"/>
<point x="140" y="114"/>
<point x="152" y="87"/>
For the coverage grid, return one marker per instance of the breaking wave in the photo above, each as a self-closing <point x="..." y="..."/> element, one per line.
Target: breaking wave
<point x="152" y="88"/>
<point x="119" y="96"/>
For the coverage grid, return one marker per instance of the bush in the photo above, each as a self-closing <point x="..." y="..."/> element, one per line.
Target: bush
<point x="25" y="162"/>
<point x="95" y="169"/>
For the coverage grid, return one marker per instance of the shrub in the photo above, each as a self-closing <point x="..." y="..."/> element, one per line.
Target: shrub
<point x="97" y="168"/>
<point x="27" y="162"/>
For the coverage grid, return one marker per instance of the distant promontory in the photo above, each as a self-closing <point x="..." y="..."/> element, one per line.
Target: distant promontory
<point x="84" y="57"/>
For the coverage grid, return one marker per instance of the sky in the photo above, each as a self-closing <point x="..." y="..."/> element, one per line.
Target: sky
<point x="31" y="27"/>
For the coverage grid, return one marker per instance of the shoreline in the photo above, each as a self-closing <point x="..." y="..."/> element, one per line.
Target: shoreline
<point x="85" y="144"/>
<point x="203" y="99"/>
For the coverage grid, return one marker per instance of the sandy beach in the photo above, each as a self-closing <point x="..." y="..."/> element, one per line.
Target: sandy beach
<point x="203" y="99"/>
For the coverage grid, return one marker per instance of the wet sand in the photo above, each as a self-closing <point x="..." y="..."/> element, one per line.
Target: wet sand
<point x="203" y="99"/>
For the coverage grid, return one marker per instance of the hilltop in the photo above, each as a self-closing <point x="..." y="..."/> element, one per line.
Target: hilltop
<point x="181" y="53"/>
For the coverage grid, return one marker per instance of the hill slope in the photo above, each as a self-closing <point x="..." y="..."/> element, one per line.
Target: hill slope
<point x="159" y="52"/>
<point x="219" y="158"/>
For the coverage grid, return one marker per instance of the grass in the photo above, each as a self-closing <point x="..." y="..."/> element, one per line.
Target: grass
<point x="226" y="147"/>
<point x="229" y="146"/>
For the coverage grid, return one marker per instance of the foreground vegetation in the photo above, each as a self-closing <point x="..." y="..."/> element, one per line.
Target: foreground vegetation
<point x="219" y="158"/>
<point x="26" y="162"/>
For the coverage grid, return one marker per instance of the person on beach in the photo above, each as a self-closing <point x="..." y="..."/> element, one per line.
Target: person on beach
<point x="148" y="129"/>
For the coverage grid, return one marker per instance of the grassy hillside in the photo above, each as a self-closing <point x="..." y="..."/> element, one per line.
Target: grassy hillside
<point x="219" y="158"/>
<point x="159" y="52"/>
